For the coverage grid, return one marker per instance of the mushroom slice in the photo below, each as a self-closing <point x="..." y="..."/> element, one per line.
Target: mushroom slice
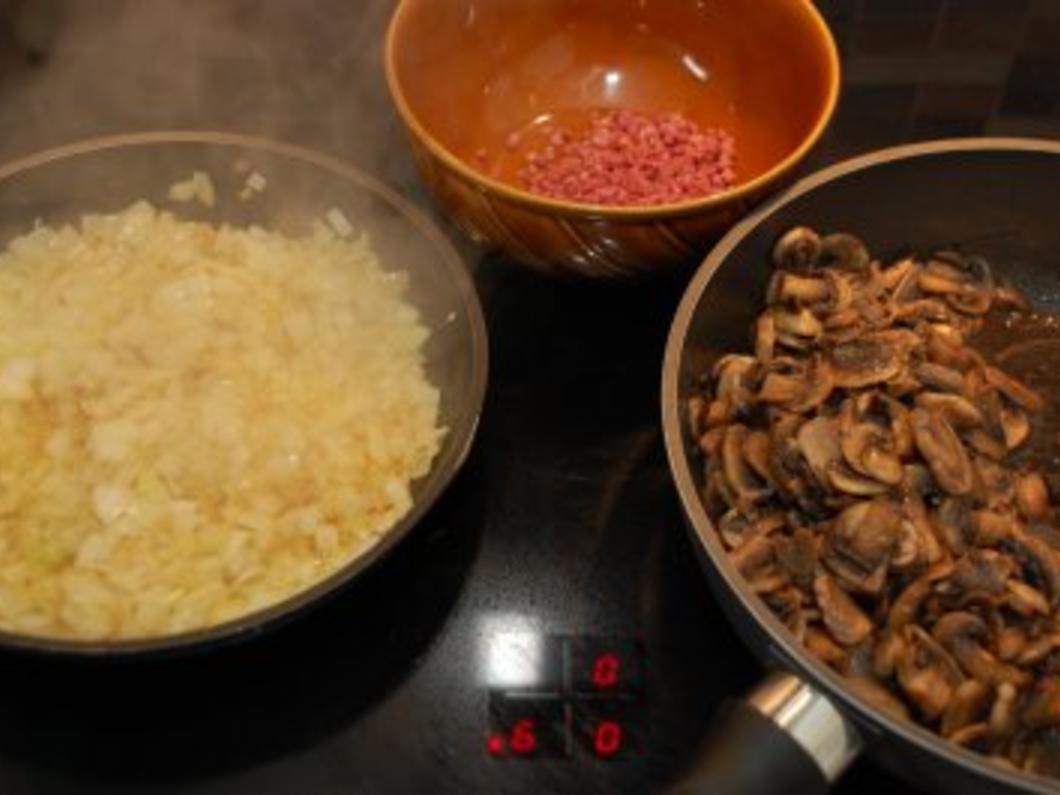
<point x="867" y="449"/>
<point x="1032" y="497"/>
<point x="1016" y="427"/>
<point x="765" y="334"/>
<point x="737" y="528"/>
<point x="939" y="377"/>
<point x="942" y="450"/>
<point x="885" y="656"/>
<point x="1025" y="600"/>
<point x="973" y="736"/>
<point x="753" y="558"/>
<point x="844" y="479"/>
<point x="923" y="310"/>
<point x="907" y="606"/>
<point x="866" y="532"/>
<point x="796" y="328"/>
<point x="927" y="673"/>
<point x="871" y="358"/>
<point x="844" y="252"/>
<point x="1039" y="561"/>
<point x="820" y="644"/>
<point x="970" y="700"/>
<point x="733" y="375"/>
<point x="876" y="696"/>
<point x="966" y="282"/>
<point x="897" y="274"/>
<point x="797" y="556"/>
<point x="1012" y="298"/>
<point x="844" y="619"/>
<point x="1016" y="391"/>
<point x="1042" y="706"/>
<point x="958" y="410"/>
<point x="993" y="528"/>
<point x="1011" y="643"/>
<point x="789" y="288"/>
<point x="945" y="345"/>
<point x="984" y="571"/>
<point x="786" y="604"/>
<point x="985" y="444"/>
<point x="1040" y="648"/>
<point x="961" y="633"/>
<point x="818" y="441"/>
<point x="748" y="489"/>
<point x="817" y="387"/>
<point x="797" y="250"/>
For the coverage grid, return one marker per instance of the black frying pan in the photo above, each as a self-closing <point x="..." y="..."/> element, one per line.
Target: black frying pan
<point x="998" y="197"/>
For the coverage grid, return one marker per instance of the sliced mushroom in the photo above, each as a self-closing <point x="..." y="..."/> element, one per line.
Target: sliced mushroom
<point x="960" y="411"/>
<point x="985" y="444"/>
<point x="927" y="673"/>
<point x="876" y="696"/>
<point x="787" y="605"/>
<point x="820" y="644"/>
<point x="962" y="634"/>
<point x="1042" y="707"/>
<point x="942" y="450"/>
<point x="1016" y="391"/>
<point x="907" y="606"/>
<point x="866" y="532"/>
<point x="970" y="700"/>
<point x="818" y="441"/>
<point x="756" y="452"/>
<point x="1016" y="427"/>
<point x="1011" y="643"/>
<point x="765" y="338"/>
<point x="871" y="358"/>
<point x="1032" y="496"/>
<point x="843" y="251"/>
<point x="940" y="378"/>
<point x="898" y="274"/>
<point x="983" y="570"/>
<point x="885" y="656"/>
<point x="846" y="480"/>
<point x="868" y="449"/>
<point x="798" y="250"/>
<point x="796" y="328"/>
<point x="1039" y="561"/>
<point x="737" y="528"/>
<point x="1003" y="717"/>
<point x="971" y="736"/>
<point x="1025" y="600"/>
<point x="965" y="282"/>
<point x="741" y="478"/>
<point x="844" y="619"/>
<point x="955" y="524"/>
<point x="797" y="556"/>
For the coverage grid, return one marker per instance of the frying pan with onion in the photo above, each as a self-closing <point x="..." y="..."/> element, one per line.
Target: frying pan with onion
<point x="995" y="197"/>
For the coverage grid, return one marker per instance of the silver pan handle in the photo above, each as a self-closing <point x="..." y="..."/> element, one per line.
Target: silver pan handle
<point x="784" y="737"/>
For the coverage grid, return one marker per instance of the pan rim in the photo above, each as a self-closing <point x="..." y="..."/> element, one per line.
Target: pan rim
<point x="444" y="468"/>
<point x="783" y="645"/>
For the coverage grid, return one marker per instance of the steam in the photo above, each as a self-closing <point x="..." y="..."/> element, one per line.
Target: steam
<point x="304" y="71"/>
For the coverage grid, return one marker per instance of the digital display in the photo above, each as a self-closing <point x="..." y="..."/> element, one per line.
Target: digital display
<point x="556" y="696"/>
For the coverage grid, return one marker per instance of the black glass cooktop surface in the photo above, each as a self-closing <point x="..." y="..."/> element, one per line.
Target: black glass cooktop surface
<point x="547" y="628"/>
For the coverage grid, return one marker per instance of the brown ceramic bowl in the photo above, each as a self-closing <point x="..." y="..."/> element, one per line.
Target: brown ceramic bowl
<point x="467" y="74"/>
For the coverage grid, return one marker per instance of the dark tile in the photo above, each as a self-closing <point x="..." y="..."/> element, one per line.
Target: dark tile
<point x="999" y="9"/>
<point x="1043" y="35"/>
<point x="892" y="35"/>
<point x="1033" y="87"/>
<point x="980" y="32"/>
<point x="901" y="8"/>
<point x="1040" y="9"/>
<point x="926" y="127"/>
<point x="943" y="100"/>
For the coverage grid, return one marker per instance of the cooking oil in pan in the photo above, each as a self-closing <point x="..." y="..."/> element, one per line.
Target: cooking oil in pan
<point x="1027" y="346"/>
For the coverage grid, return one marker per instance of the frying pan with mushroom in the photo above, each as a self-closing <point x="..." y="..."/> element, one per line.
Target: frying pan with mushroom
<point x="844" y="389"/>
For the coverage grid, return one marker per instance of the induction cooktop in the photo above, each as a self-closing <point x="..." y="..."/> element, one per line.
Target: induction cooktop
<point x="545" y="630"/>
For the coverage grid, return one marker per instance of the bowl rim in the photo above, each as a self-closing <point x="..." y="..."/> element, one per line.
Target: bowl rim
<point x="447" y="463"/>
<point x="741" y="191"/>
<point x="785" y="650"/>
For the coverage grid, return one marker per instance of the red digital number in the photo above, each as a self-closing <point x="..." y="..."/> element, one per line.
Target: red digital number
<point x="523" y="739"/>
<point x="606" y="669"/>
<point x="607" y="739"/>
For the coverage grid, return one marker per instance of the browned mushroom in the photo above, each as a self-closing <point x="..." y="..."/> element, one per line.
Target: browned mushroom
<point x="927" y="673"/>
<point x="866" y="532"/>
<point x="797" y="250"/>
<point x="797" y="556"/>
<point x="939" y="377"/>
<point x="1042" y="707"/>
<point x="843" y="251"/>
<point x="1024" y="600"/>
<point x="747" y="487"/>
<point x="765" y="338"/>
<point x="868" y="449"/>
<point x="907" y="605"/>
<point x="942" y="450"/>
<point x="820" y="644"/>
<point x="1017" y="392"/>
<point x="885" y="655"/>
<point x="871" y="358"/>
<point x="960" y="411"/>
<point x="1015" y="426"/>
<point x="1003" y="718"/>
<point x="970" y="700"/>
<point x="1038" y="560"/>
<point x="877" y="696"/>
<point x="962" y="633"/>
<point x="984" y="571"/>
<point x="796" y="328"/>
<point x="1032" y="496"/>
<point x="1037" y="650"/>
<point x="844" y="619"/>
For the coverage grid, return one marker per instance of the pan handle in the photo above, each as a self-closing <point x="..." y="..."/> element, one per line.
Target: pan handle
<point x="785" y="736"/>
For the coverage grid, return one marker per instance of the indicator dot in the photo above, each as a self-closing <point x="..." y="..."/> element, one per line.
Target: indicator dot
<point x="495" y="744"/>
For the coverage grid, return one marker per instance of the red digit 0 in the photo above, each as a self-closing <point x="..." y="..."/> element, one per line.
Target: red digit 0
<point x="524" y="738"/>
<point x="607" y="738"/>
<point x="605" y="670"/>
